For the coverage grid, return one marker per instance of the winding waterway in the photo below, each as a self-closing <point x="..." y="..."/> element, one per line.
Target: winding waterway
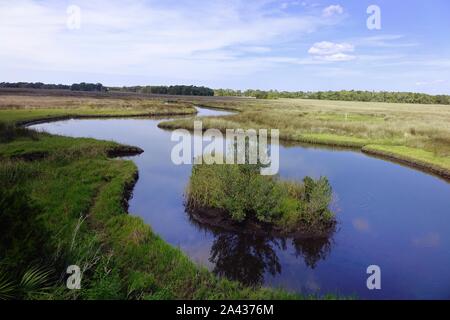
<point x="389" y="215"/>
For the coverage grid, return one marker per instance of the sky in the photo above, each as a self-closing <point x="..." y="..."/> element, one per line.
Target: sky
<point x="261" y="44"/>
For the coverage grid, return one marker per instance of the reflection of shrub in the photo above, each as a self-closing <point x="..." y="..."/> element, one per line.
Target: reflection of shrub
<point x="242" y="193"/>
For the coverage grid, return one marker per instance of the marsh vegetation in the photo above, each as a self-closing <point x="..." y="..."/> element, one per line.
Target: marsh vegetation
<point x="418" y="133"/>
<point x="238" y="197"/>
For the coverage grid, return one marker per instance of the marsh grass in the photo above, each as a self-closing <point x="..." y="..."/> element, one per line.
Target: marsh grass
<point x="21" y="109"/>
<point x="241" y="193"/>
<point x="340" y="123"/>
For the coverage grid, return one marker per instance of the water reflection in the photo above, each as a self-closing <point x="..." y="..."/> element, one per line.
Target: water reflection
<point x="249" y="257"/>
<point x="312" y="250"/>
<point x="245" y="257"/>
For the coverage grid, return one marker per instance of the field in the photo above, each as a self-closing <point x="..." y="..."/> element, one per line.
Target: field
<point x="413" y="133"/>
<point x="34" y="107"/>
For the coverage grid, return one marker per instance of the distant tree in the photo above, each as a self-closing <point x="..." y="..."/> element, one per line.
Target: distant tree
<point x="343" y="95"/>
<point x="83" y="86"/>
<point x="172" y="90"/>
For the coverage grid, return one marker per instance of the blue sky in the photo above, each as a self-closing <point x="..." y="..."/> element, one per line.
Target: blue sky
<point x="239" y="44"/>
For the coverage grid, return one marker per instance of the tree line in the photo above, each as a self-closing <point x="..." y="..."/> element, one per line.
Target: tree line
<point x="171" y="90"/>
<point x="83" y="86"/>
<point x="343" y="95"/>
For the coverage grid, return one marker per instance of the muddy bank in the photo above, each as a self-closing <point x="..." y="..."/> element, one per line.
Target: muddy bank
<point x="124" y="151"/>
<point x="127" y="192"/>
<point x="218" y="219"/>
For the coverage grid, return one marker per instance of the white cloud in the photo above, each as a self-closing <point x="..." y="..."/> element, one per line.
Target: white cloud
<point x="429" y="83"/>
<point x="329" y="48"/>
<point x="332" y="10"/>
<point x="385" y="41"/>
<point x="332" y="52"/>
<point x="338" y="57"/>
<point x="200" y="39"/>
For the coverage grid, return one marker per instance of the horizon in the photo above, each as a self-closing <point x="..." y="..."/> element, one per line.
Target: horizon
<point x="212" y="88"/>
<point x="262" y="44"/>
<point x="241" y="90"/>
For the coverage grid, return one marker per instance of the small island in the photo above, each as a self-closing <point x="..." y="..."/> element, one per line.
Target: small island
<point x="236" y="197"/>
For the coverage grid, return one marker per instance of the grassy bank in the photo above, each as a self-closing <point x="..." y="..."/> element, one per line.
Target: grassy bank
<point x="422" y="130"/>
<point x="419" y="158"/>
<point x="63" y="202"/>
<point x="23" y="109"/>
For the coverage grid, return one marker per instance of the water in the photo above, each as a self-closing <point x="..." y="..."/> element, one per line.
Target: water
<point x="389" y="215"/>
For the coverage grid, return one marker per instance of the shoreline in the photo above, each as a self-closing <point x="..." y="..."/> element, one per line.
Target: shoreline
<point x="423" y="166"/>
<point x="410" y="162"/>
<point x="27" y="123"/>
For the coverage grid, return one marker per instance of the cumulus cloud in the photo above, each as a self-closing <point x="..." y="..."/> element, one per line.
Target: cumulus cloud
<point x="332" y="10"/>
<point x="331" y="51"/>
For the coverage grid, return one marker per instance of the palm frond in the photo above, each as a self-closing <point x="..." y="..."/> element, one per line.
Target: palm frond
<point x="35" y="279"/>
<point x="7" y="287"/>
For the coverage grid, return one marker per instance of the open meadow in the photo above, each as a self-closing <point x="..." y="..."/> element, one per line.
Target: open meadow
<point x="411" y="133"/>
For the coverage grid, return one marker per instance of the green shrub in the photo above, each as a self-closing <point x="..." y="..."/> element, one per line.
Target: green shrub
<point x="317" y="196"/>
<point x="242" y="193"/>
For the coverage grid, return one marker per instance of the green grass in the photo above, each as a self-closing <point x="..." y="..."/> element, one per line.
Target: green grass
<point x="27" y="108"/>
<point x="26" y="115"/>
<point x="330" y="139"/>
<point x="418" y="157"/>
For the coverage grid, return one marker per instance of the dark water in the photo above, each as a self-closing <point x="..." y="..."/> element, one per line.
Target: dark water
<point x="389" y="215"/>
